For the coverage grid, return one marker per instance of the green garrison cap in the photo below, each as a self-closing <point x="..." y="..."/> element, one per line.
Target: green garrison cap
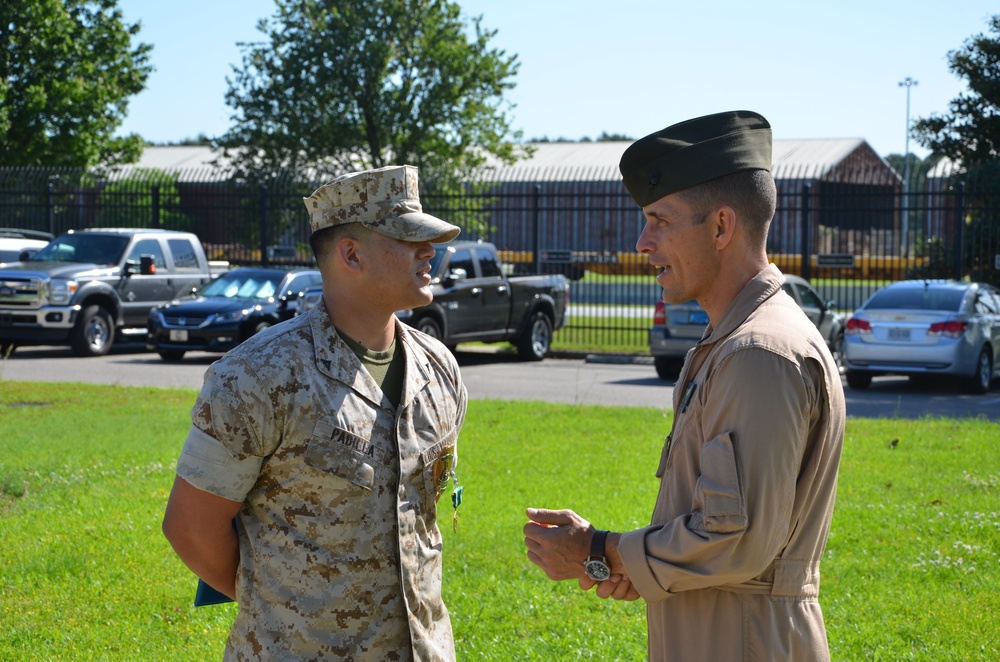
<point x="689" y="153"/>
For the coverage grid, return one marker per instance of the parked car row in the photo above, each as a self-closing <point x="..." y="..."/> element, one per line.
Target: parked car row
<point x="678" y="327"/>
<point x="88" y="288"/>
<point x="923" y="329"/>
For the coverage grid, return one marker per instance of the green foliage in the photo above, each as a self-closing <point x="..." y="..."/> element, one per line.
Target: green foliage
<point x="342" y="86"/>
<point x="970" y="133"/>
<point x="147" y="196"/>
<point x="940" y="260"/>
<point x="67" y="69"/>
<point x="909" y="573"/>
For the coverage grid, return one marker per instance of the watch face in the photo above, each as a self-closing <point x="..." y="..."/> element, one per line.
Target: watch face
<point x="597" y="570"/>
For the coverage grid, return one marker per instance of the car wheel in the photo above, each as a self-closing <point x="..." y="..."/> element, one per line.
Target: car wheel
<point x="6" y="349"/>
<point x="980" y="380"/>
<point x="171" y="355"/>
<point x="536" y="341"/>
<point x="667" y="367"/>
<point x="858" y="380"/>
<point x="94" y="332"/>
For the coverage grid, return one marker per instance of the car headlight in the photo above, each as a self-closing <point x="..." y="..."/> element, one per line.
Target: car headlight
<point x="230" y="316"/>
<point x="61" y="291"/>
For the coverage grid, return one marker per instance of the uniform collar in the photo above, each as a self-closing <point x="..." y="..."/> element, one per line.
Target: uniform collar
<point x="761" y="287"/>
<point x="336" y="360"/>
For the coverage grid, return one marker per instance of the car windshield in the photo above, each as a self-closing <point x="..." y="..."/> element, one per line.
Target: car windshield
<point x="244" y="285"/>
<point x="89" y="248"/>
<point x="917" y="298"/>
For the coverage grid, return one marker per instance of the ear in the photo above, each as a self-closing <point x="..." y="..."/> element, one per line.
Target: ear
<point x="348" y="253"/>
<point x="724" y="226"/>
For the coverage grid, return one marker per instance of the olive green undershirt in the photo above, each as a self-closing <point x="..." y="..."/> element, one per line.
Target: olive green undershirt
<point x="386" y="368"/>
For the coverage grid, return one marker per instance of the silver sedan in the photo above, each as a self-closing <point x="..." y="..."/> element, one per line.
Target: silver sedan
<point x="922" y="328"/>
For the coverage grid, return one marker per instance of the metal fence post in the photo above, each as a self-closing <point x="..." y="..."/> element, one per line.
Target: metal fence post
<point x="536" y="254"/>
<point x="806" y="233"/>
<point x="263" y="225"/>
<point x="50" y="207"/>
<point x="959" y="230"/>
<point x="156" y="206"/>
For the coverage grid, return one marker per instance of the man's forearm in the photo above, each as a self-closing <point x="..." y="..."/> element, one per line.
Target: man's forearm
<point x="199" y="527"/>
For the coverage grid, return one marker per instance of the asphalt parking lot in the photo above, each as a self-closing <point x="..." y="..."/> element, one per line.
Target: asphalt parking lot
<point x="603" y="380"/>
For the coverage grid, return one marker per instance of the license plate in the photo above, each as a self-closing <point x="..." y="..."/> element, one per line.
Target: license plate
<point x="899" y="334"/>
<point x="178" y="335"/>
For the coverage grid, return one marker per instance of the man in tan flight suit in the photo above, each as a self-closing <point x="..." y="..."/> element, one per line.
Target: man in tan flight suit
<point x="329" y="439"/>
<point x="729" y="566"/>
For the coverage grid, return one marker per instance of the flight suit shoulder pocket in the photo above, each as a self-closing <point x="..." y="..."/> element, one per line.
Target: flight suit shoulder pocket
<point x="720" y="488"/>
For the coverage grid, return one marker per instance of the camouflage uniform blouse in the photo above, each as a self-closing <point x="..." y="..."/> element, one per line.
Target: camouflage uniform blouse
<point x="340" y="552"/>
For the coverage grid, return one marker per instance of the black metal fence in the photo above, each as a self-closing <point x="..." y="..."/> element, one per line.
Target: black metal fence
<point x="848" y="237"/>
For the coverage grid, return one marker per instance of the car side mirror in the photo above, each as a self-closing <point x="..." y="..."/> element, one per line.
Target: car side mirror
<point x="147" y="265"/>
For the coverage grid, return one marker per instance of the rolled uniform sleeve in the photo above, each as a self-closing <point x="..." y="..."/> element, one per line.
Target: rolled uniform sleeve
<point x="741" y="444"/>
<point x="209" y="466"/>
<point x="223" y="452"/>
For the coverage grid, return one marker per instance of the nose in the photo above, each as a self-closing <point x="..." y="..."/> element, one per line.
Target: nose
<point x="644" y="244"/>
<point x="425" y="250"/>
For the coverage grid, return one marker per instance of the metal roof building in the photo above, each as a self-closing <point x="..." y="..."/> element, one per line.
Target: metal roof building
<point x="569" y="195"/>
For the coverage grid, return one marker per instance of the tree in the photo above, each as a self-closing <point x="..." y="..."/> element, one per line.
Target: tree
<point x="147" y="198"/>
<point x="970" y="136"/>
<point x="67" y="69"/>
<point x="345" y="85"/>
<point x="970" y="133"/>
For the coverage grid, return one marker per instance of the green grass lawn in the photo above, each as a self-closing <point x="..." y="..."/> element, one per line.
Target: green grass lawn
<point x="910" y="572"/>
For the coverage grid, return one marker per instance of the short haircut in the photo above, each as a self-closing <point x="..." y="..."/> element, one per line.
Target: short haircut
<point x="322" y="241"/>
<point x="751" y="193"/>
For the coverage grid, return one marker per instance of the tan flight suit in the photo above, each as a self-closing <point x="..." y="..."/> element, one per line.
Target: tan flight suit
<point x="729" y="567"/>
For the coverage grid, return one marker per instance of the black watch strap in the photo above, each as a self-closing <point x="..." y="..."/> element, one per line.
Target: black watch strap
<point x="597" y="544"/>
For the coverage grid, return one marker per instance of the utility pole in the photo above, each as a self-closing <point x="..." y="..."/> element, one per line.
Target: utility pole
<point x="907" y="83"/>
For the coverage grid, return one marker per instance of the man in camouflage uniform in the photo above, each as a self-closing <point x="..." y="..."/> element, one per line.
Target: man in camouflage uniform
<point x="329" y="439"/>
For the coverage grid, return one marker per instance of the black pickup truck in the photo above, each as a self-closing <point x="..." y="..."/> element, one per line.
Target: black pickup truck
<point x="87" y="287"/>
<point x="475" y="301"/>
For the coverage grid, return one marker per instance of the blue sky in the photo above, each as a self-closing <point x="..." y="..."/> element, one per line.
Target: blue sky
<point x="815" y="70"/>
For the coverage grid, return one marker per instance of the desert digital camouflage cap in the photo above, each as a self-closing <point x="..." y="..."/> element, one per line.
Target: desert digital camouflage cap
<point x="692" y="152"/>
<point x="385" y="200"/>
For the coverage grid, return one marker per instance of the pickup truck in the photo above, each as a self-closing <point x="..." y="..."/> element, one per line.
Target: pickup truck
<point x="88" y="287"/>
<point x="474" y="301"/>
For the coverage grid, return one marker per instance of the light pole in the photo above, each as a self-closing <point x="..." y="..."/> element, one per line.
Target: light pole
<point x="907" y="83"/>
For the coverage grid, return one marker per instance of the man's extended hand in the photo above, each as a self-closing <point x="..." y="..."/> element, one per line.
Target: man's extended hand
<point x="558" y="542"/>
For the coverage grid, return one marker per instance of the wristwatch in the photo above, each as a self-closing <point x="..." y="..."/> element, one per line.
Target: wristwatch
<point x="596" y="565"/>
